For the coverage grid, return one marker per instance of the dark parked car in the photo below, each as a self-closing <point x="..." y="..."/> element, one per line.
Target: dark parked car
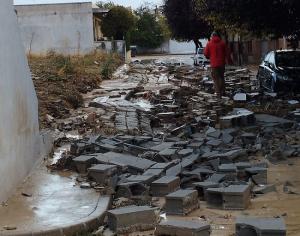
<point x="280" y="71"/>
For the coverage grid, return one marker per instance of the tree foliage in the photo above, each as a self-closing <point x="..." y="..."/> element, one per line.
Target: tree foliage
<point x="105" y="4"/>
<point x="185" y="22"/>
<point x="150" y="30"/>
<point x="117" y="23"/>
<point x="260" y="17"/>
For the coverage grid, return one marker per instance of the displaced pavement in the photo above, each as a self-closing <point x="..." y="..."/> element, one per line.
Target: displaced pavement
<point x="156" y="137"/>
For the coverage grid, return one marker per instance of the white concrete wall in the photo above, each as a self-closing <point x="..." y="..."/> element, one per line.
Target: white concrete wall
<point x="177" y="47"/>
<point x="19" y="128"/>
<point x="65" y="28"/>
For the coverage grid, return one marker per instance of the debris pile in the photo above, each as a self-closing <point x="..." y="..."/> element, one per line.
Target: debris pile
<point x="174" y="140"/>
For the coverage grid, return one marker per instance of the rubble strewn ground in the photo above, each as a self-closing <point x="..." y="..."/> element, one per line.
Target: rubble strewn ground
<point x="156" y="136"/>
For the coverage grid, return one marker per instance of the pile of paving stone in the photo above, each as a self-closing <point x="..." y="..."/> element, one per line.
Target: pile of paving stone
<point x="220" y="166"/>
<point x="186" y="147"/>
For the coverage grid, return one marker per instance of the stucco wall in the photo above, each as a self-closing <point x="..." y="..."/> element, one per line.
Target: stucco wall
<point x="19" y="129"/>
<point x="65" y="28"/>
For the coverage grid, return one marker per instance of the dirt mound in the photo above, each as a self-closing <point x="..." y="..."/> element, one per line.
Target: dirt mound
<point x="61" y="80"/>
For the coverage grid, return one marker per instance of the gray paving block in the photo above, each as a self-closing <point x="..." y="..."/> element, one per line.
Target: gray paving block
<point x="181" y="202"/>
<point x="251" y="226"/>
<point x="201" y="187"/>
<point x="182" y="227"/>
<point x="162" y="146"/>
<point x="227" y="168"/>
<point x="233" y="197"/>
<point x="133" y="218"/>
<point x="131" y="190"/>
<point x="185" y="152"/>
<point x="164" y="186"/>
<point x="214" y="142"/>
<point x="169" y="153"/>
<point x="105" y="175"/>
<point x="154" y="172"/>
<point x="135" y="164"/>
<point x="163" y="166"/>
<point x="84" y="162"/>
<point x="186" y="162"/>
<point x="195" y="145"/>
<point x="259" y="175"/>
<point x="217" y="178"/>
<point x="144" y="179"/>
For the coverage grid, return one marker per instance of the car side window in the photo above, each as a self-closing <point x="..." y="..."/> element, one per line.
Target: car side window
<point x="266" y="59"/>
<point x="271" y="59"/>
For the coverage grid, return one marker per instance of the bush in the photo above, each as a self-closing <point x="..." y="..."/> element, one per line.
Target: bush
<point x="108" y="67"/>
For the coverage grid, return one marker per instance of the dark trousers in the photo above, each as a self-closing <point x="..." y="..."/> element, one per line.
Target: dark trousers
<point x="217" y="74"/>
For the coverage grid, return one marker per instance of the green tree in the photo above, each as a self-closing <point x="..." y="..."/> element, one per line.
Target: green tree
<point x="185" y="22"/>
<point x="117" y="23"/>
<point x="268" y="17"/>
<point x="105" y="4"/>
<point x="150" y="30"/>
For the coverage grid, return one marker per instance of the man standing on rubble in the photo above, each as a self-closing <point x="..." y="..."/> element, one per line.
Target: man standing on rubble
<point x="215" y="50"/>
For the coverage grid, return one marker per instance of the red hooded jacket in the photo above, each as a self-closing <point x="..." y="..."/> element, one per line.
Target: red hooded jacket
<point x="215" y="50"/>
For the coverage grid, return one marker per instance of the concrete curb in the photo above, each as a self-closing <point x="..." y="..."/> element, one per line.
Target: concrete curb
<point x="83" y="225"/>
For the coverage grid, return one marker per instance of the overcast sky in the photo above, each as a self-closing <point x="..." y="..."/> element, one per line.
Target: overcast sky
<point x="129" y="3"/>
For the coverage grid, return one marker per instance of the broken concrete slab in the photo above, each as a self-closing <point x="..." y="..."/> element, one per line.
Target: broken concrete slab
<point x="182" y="227"/>
<point x="165" y="186"/>
<point x="233" y="197"/>
<point x="181" y="202"/>
<point x="251" y="226"/>
<point x="132" y="218"/>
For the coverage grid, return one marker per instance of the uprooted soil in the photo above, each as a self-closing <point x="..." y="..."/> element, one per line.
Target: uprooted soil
<point x="61" y="80"/>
